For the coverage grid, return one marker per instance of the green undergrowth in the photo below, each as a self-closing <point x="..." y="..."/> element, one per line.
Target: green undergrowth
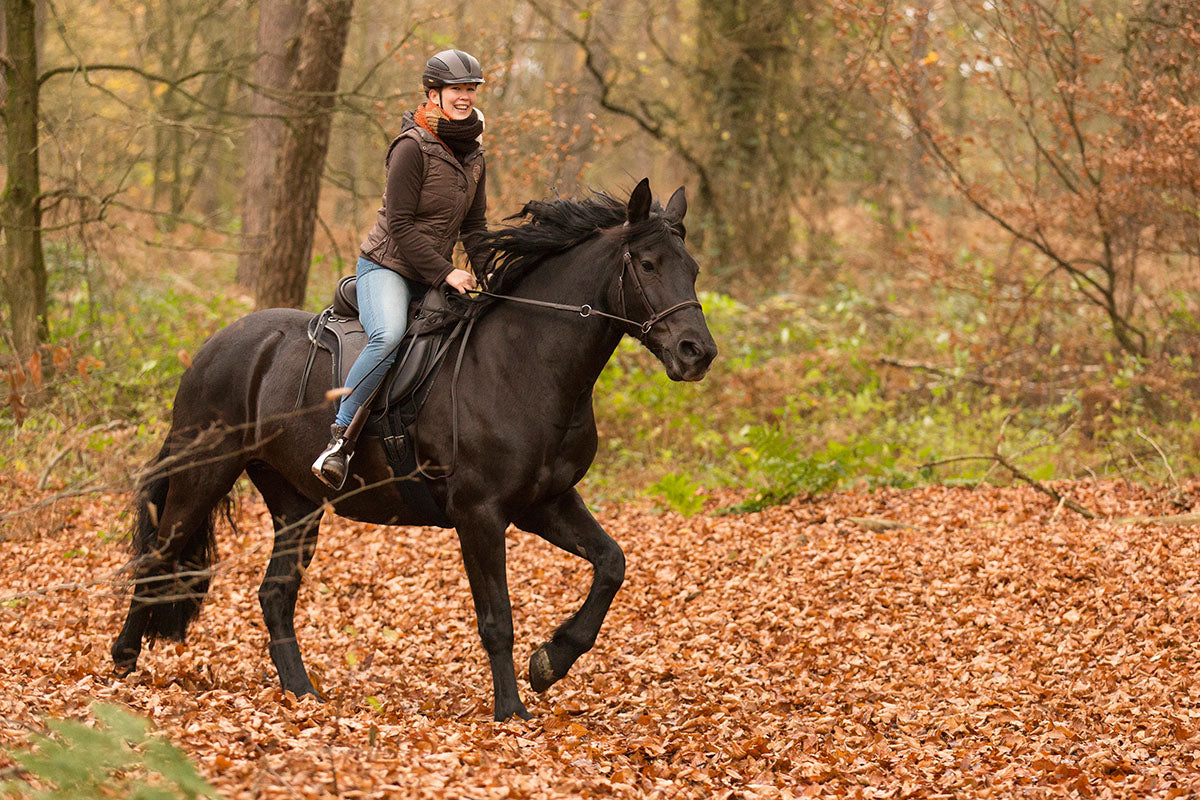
<point x="843" y="386"/>
<point x="96" y="401"/>
<point x="846" y="390"/>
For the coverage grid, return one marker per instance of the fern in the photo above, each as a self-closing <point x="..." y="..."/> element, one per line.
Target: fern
<point x="118" y="757"/>
<point x="784" y="473"/>
<point x="680" y="494"/>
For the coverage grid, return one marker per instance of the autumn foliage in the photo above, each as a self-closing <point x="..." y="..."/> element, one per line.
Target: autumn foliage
<point x="981" y="217"/>
<point x="888" y="644"/>
<point x="1071" y="126"/>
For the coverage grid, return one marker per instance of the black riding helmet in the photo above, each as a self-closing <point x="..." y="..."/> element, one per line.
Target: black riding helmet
<point x="451" y="67"/>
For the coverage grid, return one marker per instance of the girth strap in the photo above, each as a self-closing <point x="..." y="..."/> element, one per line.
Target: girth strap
<point x="462" y="349"/>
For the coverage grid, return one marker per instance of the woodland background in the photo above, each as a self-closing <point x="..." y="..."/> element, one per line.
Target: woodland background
<point x="942" y="242"/>
<point x="923" y="227"/>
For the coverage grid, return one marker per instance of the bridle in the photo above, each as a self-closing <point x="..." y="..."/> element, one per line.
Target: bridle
<point x="586" y="310"/>
<point x="655" y="316"/>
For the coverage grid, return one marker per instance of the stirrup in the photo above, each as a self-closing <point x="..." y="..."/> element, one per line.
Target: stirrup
<point x="337" y="448"/>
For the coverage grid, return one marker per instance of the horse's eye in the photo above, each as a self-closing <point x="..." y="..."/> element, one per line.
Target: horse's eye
<point x="646" y="265"/>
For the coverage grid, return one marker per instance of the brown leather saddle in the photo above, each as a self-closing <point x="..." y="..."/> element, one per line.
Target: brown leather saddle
<point x="433" y="326"/>
<point x="436" y="321"/>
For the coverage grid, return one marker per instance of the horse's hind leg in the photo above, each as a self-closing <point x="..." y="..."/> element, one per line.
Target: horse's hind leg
<point x="296" y="521"/>
<point x="128" y="644"/>
<point x="174" y="548"/>
<point x="565" y="522"/>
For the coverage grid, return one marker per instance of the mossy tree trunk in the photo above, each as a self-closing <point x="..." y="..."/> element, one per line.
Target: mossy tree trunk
<point x="20" y="204"/>
<point x="746" y="57"/>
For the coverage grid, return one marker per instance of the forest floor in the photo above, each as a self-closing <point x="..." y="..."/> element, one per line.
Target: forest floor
<point x="999" y="647"/>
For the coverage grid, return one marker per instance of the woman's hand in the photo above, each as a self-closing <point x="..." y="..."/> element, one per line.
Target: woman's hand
<point x="461" y="280"/>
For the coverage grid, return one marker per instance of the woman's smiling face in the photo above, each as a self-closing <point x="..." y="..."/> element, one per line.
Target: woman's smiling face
<point x="457" y="101"/>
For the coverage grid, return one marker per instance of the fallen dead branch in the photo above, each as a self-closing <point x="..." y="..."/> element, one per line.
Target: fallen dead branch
<point x="1169" y="521"/>
<point x="934" y="369"/>
<point x="1021" y="475"/>
<point x="877" y="524"/>
<point x="998" y="457"/>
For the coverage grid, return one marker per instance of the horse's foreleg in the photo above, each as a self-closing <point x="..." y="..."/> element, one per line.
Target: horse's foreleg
<point x="565" y="522"/>
<point x="482" y="545"/>
<point x="296" y="522"/>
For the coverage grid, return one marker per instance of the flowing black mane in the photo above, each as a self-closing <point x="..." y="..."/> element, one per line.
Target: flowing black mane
<point x="553" y="226"/>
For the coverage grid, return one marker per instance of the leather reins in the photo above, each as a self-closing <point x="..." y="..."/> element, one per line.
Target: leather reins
<point x="585" y="310"/>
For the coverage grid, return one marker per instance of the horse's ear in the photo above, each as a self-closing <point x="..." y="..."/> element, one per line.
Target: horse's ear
<point x="639" y="202"/>
<point x="677" y="205"/>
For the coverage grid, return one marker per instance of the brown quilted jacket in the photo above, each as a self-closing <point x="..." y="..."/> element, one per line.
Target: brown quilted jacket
<point x="431" y="201"/>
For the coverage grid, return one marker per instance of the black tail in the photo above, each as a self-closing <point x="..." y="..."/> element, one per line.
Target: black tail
<point x="174" y="588"/>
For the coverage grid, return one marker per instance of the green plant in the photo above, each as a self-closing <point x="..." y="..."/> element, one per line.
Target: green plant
<point x="118" y="757"/>
<point x="773" y="457"/>
<point x="680" y="494"/>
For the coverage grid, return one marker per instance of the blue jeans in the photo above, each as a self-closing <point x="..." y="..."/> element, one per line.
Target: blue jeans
<point x="383" y="297"/>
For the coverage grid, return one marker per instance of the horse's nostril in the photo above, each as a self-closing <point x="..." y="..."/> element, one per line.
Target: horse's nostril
<point x="690" y="350"/>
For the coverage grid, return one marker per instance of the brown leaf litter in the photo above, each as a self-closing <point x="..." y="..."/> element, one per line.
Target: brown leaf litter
<point x="982" y="646"/>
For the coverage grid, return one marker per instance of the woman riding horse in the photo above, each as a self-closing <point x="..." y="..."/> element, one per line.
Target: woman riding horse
<point x="435" y="195"/>
<point x="577" y="277"/>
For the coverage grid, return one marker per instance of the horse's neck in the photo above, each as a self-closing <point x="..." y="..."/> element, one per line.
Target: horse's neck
<point x="582" y="275"/>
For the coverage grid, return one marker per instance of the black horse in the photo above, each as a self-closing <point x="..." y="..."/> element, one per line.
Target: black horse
<point x="526" y="434"/>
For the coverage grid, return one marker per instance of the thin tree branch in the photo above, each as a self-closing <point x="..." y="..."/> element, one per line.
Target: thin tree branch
<point x="998" y="457"/>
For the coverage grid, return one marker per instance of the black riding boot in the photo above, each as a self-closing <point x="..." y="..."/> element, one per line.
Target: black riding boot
<point x="333" y="465"/>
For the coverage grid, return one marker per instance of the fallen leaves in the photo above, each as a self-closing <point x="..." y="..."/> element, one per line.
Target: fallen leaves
<point x="990" y="648"/>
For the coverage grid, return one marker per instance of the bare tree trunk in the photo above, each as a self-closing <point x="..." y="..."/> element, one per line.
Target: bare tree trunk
<point x="20" y="204"/>
<point x="283" y="272"/>
<point x="358" y="153"/>
<point x="916" y="177"/>
<point x="4" y="51"/>
<point x="746" y="57"/>
<point x="278" y="29"/>
<point x="168" y="111"/>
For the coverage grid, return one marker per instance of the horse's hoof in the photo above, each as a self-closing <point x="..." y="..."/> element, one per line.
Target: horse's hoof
<point x="124" y="663"/>
<point x="305" y="689"/>
<point x="541" y="674"/>
<point x="520" y="711"/>
<point x="303" y="693"/>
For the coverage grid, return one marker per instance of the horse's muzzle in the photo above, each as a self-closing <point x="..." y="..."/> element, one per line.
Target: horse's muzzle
<point x="690" y="359"/>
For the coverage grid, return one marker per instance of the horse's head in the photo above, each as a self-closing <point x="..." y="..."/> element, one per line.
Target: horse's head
<point x="657" y="287"/>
